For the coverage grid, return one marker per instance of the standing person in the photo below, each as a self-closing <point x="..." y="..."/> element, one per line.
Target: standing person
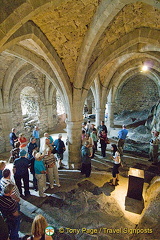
<point x="2" y="167"/>
<point x="102" y="127"/>
<point x="40" y="174"/>
<point x="85" y="110"/>
<point x="154" y="145"/>
<point x="4" y="229"/>
<point x="91" y="144"/>
<point x="23" y="141"/>
<point x="92" y="128"/>
<point x="86" y="159"/>
<point x="46" y="145"/>
<point x="38" y="229"/>
<point x="20" y="170"/>
<point x="32" y="160"/>
<point x="6" y="179"/>
<point x="95" y="140"/>
<point x="84" y="127"/>
<point x="47" y="136"/>
<point x="32" y="145"/>
<point x="9" y="210"/>
<point x="51" y="166"/>
<point x="88" y="127"/>
<point x="14" y="152"/>
<point x="117" y="164"/>
<point x="83" y="139"/>
<point x="13" y="138"/>
<point x="60" y="148"/>
<point x="103" y="142"/>
<point x="35" y="134"/>
<point x="122" y="134"/>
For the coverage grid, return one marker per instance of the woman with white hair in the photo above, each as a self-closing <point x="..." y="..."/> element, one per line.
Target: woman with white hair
<point x="46" y="145"/>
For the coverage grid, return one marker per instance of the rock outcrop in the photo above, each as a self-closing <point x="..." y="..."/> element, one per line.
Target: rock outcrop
<point x="142" y="123"/>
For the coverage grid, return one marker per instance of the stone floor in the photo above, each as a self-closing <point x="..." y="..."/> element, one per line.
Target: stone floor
<point x="69" y="180"/>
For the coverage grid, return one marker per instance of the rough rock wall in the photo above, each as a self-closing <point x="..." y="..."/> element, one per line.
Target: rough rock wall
<point x="138" y="93"/>
<point x="155" y="114"/>
<point x="150" y="219"/>
<point x="30" y="103"/>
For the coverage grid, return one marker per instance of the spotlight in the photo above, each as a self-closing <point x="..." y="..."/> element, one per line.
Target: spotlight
<point x="144" y="68"/>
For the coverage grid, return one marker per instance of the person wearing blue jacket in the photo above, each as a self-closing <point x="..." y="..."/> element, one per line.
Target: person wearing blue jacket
<point x="122" y="134"/>
<point x="86" y="159"/>
<point x="40" y="173"/>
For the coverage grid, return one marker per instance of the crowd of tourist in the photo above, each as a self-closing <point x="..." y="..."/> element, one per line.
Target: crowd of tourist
<point x="90" y="138"/>
<point x="26" y="155"/>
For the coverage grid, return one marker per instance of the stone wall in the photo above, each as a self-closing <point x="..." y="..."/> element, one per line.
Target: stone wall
<point x="60" y="105"/>
<point x="36" y="82"/>
<point x="29" y="102"/>
<point x="138" y="93"/>
<point x="153" y="121"/>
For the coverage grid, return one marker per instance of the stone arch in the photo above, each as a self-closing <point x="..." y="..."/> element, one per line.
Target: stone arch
<point x="121" y="66"/>
<point x="124" y="67"/>
<point x="21" y="15"/>
<point x="120" y="48"/>
<point x="42" y="66"/>
<point x="16" y="73"/>
<point x="55" y="69"/>
<point x="128" y="60"/>
<point x="30" y="31"/>
<point x="128" y="46"/>
<point x="20" y="84"/>
<point x="129" y="69"/>
<point x="142" y="93"/>
<point x="49" y="91"/>
<point x="104" y="15"/>
<point x="135" y="62"/>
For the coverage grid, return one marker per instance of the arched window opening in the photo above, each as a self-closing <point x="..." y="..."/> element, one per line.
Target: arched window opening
<point x="30" y="107"/>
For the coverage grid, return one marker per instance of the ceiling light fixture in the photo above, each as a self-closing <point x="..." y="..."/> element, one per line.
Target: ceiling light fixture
<point x="144" y="68"/>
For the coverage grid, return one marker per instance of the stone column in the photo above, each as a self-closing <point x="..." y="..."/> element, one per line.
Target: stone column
<point x="89" y="105"/>
<point x="111" y="114"/>
<point x="49" y="108"/>
<point x="100" y="115"/>
<point x="74" y="131"/>
<point x="7" y="125"/>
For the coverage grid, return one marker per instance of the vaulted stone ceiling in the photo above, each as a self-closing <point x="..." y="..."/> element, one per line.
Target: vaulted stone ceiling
<point x="132" y="16"/>
<point x="65" y="26"/>
<point x="87" y="36"/>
